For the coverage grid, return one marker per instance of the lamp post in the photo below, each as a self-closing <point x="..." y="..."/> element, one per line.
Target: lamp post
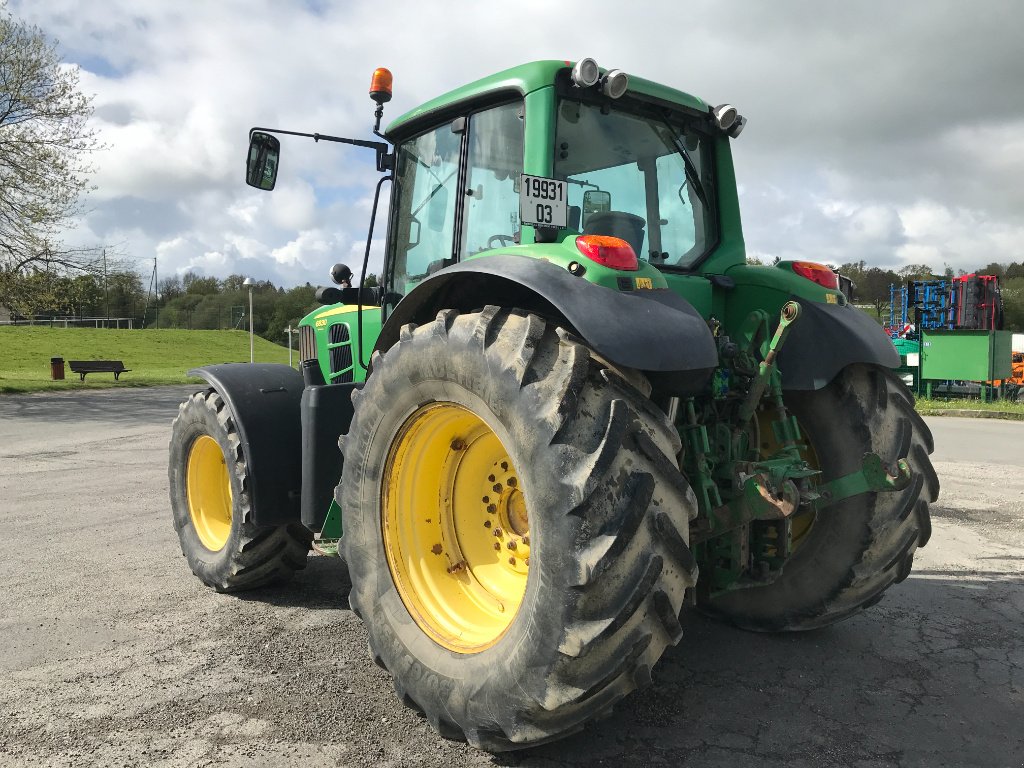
<point x="250" y="283"/>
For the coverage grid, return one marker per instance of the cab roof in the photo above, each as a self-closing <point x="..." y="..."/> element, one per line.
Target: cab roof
<point x="524" y="79"/>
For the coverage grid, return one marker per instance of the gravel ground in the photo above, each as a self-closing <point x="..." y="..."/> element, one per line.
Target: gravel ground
<point x="113" y="654"/>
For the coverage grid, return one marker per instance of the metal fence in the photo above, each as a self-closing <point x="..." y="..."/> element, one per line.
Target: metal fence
<point x="61" y="321"/>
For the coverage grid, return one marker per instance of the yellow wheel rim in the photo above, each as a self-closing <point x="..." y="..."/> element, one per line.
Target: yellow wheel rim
<point x="208" y="488"/>
<point x="802" y="522"/>
<point x="455" y="526"/>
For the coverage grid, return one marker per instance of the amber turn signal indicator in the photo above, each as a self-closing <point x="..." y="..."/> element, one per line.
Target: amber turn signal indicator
<point x="380" y="85"/>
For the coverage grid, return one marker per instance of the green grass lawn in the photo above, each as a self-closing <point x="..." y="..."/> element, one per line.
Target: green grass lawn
<point x="163" y="356"/>
<point x="154" y="356"/>
<point x="1002" y="406"/>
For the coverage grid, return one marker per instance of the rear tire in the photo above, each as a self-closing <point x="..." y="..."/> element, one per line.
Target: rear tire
<point x="209" y="489"/>
<point x="608" y="516"/>
<point x="858" y="547"/>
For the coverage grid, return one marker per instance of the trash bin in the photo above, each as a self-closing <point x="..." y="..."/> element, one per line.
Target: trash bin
<point x="57" y="368"/>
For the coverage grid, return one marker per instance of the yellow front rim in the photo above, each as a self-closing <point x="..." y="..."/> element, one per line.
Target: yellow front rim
<point x="208" y="488"/>
<point x="456" y="527"/>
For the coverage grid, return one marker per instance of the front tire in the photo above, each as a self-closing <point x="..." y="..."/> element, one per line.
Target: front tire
<point x="512" y="646"/>
<point x="858" y="547"/>
<point x="209" y="489"/>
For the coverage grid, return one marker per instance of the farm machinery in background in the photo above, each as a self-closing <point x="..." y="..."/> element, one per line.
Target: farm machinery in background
<point x="951" y="341"/>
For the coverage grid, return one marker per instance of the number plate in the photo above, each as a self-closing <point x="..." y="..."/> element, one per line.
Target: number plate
<point x="543" y="202"/>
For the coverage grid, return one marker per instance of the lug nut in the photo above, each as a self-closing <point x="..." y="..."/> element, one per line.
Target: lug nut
<point x="511" y="544"/>
<point x="512" y="482"/>
<point x="511" y="561"/>
<point x="497" y="531"/>
<point x="497" y="546"/>
<point x="458" y="444"/>
<point x="497" y="487"/>
<point x="526" y="540"/>
<point x="487" y="523"/>
<point x="492" y="508"/>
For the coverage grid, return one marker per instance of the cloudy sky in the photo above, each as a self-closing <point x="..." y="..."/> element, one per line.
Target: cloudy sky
<point x="891" y="132"/>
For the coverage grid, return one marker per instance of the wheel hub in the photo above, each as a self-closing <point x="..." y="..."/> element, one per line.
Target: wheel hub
<point x="455" y="527"/>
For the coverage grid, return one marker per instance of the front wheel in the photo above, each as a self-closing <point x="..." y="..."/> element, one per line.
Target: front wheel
<point x="857" y="548"/>
<point x="209" y="488"/>
<point x="515" y="527"/>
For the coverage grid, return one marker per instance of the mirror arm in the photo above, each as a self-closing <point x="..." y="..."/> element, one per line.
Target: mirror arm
<point x="383" y="154"/>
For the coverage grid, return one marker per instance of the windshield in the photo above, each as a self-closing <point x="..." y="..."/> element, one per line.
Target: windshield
<point x="637" y="178"/>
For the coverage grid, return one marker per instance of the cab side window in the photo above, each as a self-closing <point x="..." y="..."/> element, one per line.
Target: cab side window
<point x="425" y="180"/>
<point x="491" y="213"/>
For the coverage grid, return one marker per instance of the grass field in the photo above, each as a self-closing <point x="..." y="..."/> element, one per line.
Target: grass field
<point x="162" y="357"/>
<point x="154" y="356"/>
<point x="1000" y="406"/>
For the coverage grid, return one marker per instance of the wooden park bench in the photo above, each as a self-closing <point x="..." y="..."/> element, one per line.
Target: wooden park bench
<point x="82" y="367"/>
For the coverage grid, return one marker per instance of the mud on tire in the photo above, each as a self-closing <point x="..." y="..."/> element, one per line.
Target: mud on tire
<point x="251" y="556"/>
<point x="859" y="547"/>
<point x="608" y="512"/>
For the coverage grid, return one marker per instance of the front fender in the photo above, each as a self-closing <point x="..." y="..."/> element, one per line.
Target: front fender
<point x="826" y="339"/>
<point x="264" y="400"/>
<point x="655" y="331"/>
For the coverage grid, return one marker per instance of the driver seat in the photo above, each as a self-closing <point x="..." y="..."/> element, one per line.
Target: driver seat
<point x="627" y="226"/>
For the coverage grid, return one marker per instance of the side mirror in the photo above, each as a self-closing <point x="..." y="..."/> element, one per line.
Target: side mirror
<point x="261" y="166"/>
<point x="595" y="201"/>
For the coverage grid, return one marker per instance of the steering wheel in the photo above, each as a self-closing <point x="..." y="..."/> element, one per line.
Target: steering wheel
<point x="496" y="241"/>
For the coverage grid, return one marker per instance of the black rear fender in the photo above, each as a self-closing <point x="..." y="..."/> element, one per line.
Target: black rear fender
<point x="826" y="339"/>
<point x="656" y="331"/>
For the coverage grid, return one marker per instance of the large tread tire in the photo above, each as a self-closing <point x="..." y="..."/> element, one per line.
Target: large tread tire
<point x="253" y="555"/>
<point x="609" y="564"/>
<point x="859" y="547"/>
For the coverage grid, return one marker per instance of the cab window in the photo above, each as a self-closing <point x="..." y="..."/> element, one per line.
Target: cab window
<point x="491" y="213"/>
<point x="426" y="176"/>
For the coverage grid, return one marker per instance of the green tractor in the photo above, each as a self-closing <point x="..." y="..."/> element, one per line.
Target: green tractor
<point x="570" y="408"/>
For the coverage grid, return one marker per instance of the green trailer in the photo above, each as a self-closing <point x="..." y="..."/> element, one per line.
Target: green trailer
<point x="975" y="356"/>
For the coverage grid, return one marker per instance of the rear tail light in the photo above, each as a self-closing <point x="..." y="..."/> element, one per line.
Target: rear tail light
<point x="612" y="252"/>
<point x="816" y="273"/>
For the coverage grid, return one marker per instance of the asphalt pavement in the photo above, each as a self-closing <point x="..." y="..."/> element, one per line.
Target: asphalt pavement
<point x="112" y="653"/>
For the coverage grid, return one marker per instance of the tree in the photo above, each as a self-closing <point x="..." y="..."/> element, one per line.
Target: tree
<point x="917" y="272"/>
<point x="198" y="284"/>
<point x="44" y="146"/>
<point x="995" y="268"/>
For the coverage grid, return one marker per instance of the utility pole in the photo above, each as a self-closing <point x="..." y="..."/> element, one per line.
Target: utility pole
<point x="106" y="294"/>
<point x="250" y="282"/>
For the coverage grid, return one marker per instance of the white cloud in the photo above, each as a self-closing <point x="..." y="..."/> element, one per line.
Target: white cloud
<point x="879" y="131"/>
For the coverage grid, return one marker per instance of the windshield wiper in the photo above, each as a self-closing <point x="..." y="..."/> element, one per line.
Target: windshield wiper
<point x="692" y="176"/>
